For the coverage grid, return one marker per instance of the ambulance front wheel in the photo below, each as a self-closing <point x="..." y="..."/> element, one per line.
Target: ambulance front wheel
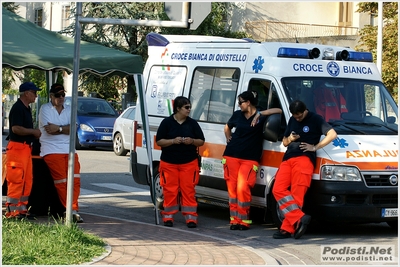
<point x="393" y="224"/>
<point x="276" y="213"/>
<point x="157" y="196"/>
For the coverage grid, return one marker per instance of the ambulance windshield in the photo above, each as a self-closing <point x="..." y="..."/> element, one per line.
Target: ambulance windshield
<point x="351" y="106"/>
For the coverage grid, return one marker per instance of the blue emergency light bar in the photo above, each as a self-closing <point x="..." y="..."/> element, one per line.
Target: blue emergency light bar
<point x="345" y="55"/>
<point x="354" y="56"/>
<point x="293" y="52"/>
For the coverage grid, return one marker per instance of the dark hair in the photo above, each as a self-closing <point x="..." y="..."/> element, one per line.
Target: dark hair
<point x="55" y="88"/>
<point x="179" y="102"/>
<point x="297" y="107"/>
<point x="251" y="96"/>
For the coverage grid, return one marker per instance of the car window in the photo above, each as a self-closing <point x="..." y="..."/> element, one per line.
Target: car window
<point x="131" y="115"/>
<point x="126" y="114"/>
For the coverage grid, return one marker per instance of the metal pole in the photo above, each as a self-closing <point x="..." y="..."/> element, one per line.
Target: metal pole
<point x="74" y="104"/>
<point x="146" y="131"/>
<point x="379" y="40"/>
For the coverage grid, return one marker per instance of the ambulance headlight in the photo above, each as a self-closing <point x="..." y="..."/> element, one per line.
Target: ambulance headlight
<point x="340" y="173"/>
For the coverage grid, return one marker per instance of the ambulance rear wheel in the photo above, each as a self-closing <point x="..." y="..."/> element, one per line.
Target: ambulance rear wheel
<point x="157" y="196"/>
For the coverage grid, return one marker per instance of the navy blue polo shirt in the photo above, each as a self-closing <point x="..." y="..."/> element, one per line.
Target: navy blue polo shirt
<point x="310" y="130"/>
<point x="247" y="140"/>
<point x="179" y="153"/>
<point x="20" y="115"/>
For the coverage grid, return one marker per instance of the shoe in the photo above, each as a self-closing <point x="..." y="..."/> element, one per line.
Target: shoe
<point x="191" y="225"/>
<point x="243" y="227"/>
<point x="234" y="227"/>
<point x="302" y="226"/>
<point x="27" y="216"/>
<point x="76" y="217"/>
<point x="168" y="223"/>
<point x="281" y="234"/>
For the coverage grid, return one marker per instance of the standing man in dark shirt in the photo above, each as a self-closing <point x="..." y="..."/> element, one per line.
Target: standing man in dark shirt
<point x="302" y="139"/>
<point x="19" y="158"/>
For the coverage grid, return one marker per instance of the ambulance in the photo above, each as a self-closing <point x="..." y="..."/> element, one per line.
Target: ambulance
<point x="356" y="176"/>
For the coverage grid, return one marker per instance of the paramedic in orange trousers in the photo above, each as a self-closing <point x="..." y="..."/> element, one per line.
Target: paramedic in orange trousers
<point x="179" y="136"/>
<point x="242" y="155"/>
<point x="19" y="153"/>
<point x="54" y="123"/>
<point x="302" y="139"/>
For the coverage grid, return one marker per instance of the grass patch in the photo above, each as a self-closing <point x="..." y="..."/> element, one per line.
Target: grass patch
<point x="53" y="243"/>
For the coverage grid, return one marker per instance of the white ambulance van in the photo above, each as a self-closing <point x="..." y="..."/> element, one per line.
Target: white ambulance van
<point x="356" y="176"/>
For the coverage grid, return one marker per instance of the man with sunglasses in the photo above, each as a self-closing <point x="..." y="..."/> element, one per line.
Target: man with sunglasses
<point x="19" y="172"/>
<point x="54" y="123"/>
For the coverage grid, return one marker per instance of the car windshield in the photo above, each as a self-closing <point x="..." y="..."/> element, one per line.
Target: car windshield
<point x="94" y="107"/>
<point x="349" y="105"/>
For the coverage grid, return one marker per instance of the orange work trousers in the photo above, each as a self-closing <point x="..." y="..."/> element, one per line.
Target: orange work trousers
<point x="292" y="181"/>
<point x="183" y="178"/>
<point x="240" y="176"/>
<point x="19" y="177"/>
<point x="58" y="166"/>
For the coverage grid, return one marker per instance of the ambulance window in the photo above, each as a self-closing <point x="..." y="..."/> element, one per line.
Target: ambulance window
<point x="213" y="93"/>
<point x="262" y="88"/>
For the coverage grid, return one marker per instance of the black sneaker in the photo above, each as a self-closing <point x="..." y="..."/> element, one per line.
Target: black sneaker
<point x="76" y="217"/>
<point x="243" y="227"/>
<point x="27" y="216"/>
<point x="191" y="225"/>
<point x="234" y="227"/>
<point x="302" y="226"/>
<point x="281" y="234"/>
<point x="168" y="223"/>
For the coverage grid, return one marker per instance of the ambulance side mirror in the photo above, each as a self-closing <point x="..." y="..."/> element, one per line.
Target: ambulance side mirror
<point x="272" y="127"/>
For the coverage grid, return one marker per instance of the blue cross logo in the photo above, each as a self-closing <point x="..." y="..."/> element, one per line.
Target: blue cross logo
<point x="258" y="64"/>
<point x="333" y="69"/>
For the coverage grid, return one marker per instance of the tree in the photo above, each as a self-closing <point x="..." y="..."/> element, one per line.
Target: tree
<point x="10" y="6"/>
<point x="368" y="41"/>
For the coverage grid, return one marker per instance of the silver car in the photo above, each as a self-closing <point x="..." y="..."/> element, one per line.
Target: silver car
<point x="123" y="131"/>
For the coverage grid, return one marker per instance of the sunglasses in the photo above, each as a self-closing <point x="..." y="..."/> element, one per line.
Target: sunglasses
<point x="187" y="107"/>
<point x="58" y="95"/>
<point x="241" y="102"/>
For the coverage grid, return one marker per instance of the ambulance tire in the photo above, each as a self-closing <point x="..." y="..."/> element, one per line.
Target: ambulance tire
<point x="276" y="213"/>
<point x="156" y="192"/>
<point x="393" y="224"/>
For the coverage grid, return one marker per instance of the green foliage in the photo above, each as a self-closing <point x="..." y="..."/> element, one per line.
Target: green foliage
<point x="31" y="243"/>
<point x="368" y="42"/>
<point x="213" y="25"/>
<point x="108" y="88"/>
<point x="7" y="79"/>
<point x="10" y="6"/>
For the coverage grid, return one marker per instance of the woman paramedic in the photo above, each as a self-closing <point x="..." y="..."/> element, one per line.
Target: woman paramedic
<point x="179" y="136"/>
<point x="242" y="155"/>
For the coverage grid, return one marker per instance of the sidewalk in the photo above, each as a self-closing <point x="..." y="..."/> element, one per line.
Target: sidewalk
<point x="136" y="243"/>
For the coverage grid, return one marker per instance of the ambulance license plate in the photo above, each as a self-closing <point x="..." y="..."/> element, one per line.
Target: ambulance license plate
<point x="389" y="213"/>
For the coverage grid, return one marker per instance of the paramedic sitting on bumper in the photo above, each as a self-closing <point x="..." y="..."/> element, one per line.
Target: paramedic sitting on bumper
<point x="293" y="178"/>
